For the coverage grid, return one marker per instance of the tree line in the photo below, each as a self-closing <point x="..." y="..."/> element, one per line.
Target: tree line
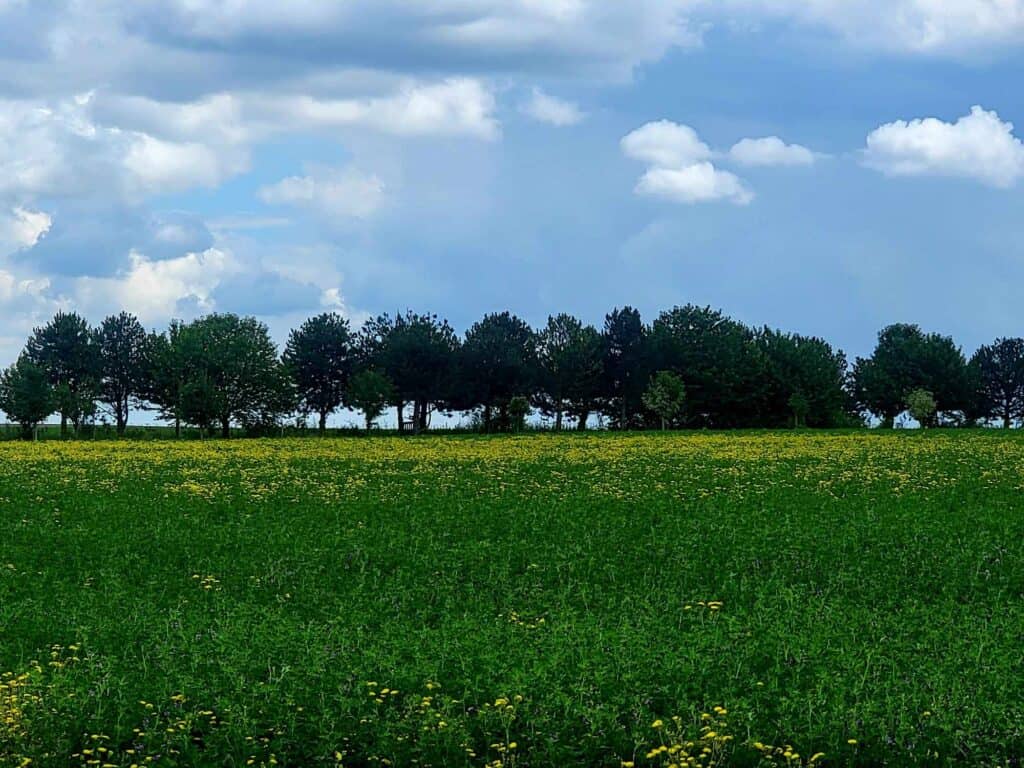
<point x="691" y="367"/>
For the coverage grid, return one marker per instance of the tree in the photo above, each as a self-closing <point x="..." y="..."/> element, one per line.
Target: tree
<point x="65" y="350"/>
<point x="718" y="361"/>
<point x="199" y="403"/>
<point x="231" y="369"/>
<point x="804" y="380"/>
<point x="369" y="392"/>
<point x="518" y="410"/>
<point x="906" y="359"/>
<point x="320" y="357"/>
<point x="624" y="376"/>
<point x="418" y="355"/>
<point x="120" y="344"/>
<point x="26" y="395"/>
<point x="999" y="372"/>
<point x="499" y="362"/>
<point x="166" y="374"/>
<point x="569" y="369"/>
<point x="922" y="407"/>
<point x="665" y="396"/>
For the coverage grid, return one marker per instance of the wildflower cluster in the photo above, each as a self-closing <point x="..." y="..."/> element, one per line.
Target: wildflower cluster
<point x="22" y="696"/>
<point x="681" y="747"/>
<point x="420" y="727"/>
<point x="174" y="733"/>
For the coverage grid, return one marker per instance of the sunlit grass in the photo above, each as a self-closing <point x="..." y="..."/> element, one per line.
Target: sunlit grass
<point x="785" y="599"/>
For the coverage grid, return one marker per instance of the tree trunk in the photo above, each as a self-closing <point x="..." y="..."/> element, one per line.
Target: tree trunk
<point x="225" y="428"/>
<point x="122" y="418"/>
<point x="63" y="424"/>
<point x="1006" y="418"/>
<point x="400" y="407"/>
<point x="558" y="421"/>
<point x="581" y="421"/>
<point x="177" y="427"/>
<point x="622" y="413"/>
<point x="323" y="423"/>
<point x="663" y="424"/>
<point x="421" y="425"/>
<point x="487" y="418"/>
<point x="369" y="423"/>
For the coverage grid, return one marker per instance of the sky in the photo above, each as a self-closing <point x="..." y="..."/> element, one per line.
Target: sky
<point x="822" y="166"/>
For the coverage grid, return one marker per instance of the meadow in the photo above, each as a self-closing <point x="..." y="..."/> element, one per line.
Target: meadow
<point x="784" y="599"/>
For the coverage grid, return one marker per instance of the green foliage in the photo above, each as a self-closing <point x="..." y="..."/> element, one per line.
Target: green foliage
<point x="804" y="380"/>
<point x="417" y="353"/>
<point x="120" y="343"/>
<point x="625" y="341"/>
<point x="666" y="397"/>
<point x="498" y="362"/>
<point x="320" y="358"/>
<point x="999" y="372"/>
<point x="230" y="372"/>
<point x="820" y="587"/>
<point x="518" y="410"/>
<point x="921" y="405"/>
<point x="26" y="395"/>
<point x="906" y="359"/>
<point x="718" y="362"/>
<point x="370" y="392"/>
<point x="569" y="357"/>
<point x="65" y="349"/>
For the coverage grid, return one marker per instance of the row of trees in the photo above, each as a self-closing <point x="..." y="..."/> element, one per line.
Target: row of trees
<point x="691" y="367"/>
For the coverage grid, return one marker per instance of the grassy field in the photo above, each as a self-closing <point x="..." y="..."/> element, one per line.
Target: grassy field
<point x="537" y="601"/>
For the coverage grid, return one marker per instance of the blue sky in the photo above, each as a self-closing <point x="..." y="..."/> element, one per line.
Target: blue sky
<point x="824" y="166"/>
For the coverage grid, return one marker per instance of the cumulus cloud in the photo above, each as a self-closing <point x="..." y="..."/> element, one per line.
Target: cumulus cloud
<point x="60" y="150"/>
<point x="22" y="228"/>
<point x="978" y="146"/>
<point x="680" y="167"/>
<point x="770" y="151"/>
<point x="664" y="143"/>
<point x="697" y="183"/>
<point x="157" y="290"/>
<point x="346" y="193"/>
<point x="548" y="109"/>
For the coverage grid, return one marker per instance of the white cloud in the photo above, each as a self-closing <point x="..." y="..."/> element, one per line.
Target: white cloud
<point x="590" y="36"/>
<point x="62" y="150"/>
<point x="347" y="193"/>
<point x="548" y="109"/>
<point x="697" y="183"/>
<point x="770" y="151"/>
<point x="22" y="228"/>
<point x="157" y="290"/>
<point x="158" y="166"/>
<point x="665" y="144"/>
<point x="978" y="146"/>
<point x="680" y="167"/>
<point x="454" y="107"/>
<point x="908" y="26"/>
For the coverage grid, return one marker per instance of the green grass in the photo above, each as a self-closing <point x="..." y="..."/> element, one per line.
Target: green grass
<point x="250" y="591"/>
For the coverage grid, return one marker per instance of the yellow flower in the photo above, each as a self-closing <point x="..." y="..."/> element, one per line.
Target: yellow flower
<point x="657" y="724"/>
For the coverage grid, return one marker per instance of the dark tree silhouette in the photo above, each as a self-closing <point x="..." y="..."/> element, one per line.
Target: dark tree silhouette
<point x="64" y="348"/>
<point x="320" y="357"/>
<point x="998" y="369"/>
<point x="499" y="362"/>
<point x="120" y="343"/>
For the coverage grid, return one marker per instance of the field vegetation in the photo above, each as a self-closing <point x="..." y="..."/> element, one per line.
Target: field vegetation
<point x="595" y="600"/>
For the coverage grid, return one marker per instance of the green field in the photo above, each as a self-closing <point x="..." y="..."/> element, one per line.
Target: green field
<point x="531" y="601"/>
